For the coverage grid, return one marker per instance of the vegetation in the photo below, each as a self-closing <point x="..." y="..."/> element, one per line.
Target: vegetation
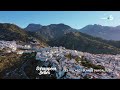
<point x="77" y="59"/>
<point x="80" y="42"/>
<point x="88" y="64"/>
<point x="12" y="32"/>
<point x="84" y="62"/>
<point x="110" y="42"/>
<point x="10" y="62"/>
<point x="69" y="56"/>
<point x="86" y="77"/>
<point x="60" y="35"/>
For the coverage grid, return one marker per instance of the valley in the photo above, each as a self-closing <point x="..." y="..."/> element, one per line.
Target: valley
<point x="74" y="54"/>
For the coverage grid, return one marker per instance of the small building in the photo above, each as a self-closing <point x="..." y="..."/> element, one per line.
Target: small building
<point x="20" y="52"/>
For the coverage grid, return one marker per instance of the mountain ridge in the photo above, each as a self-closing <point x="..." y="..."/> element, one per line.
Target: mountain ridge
<point x="33" y="27"/>
<point x="105" y="32"/>
<point x="85" y="44"/>
<point x="61" y="35"/>
<point x="10" y="32"/>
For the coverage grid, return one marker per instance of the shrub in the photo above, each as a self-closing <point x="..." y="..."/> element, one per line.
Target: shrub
<point x="77" y="59"/>
<point x="88" y="64"/>
<point x="69" y="56"/>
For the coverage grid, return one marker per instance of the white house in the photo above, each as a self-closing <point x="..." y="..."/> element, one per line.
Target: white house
<point x="27" y="46"/>
<point x="41" y="58"/>
<point x="20" y="52"/>
<point x="8" y="44"/>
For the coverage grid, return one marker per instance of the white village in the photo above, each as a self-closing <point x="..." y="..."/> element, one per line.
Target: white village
<point x="68" y="63"/>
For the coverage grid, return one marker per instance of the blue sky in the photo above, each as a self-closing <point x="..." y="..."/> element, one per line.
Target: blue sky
<point x="75" y="19"/>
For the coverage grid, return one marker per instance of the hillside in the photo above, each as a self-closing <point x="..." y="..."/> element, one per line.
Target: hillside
<point x="64" y="35"/>
<point x="79" y="41"/>
<point x="33" y="27"/>
<point x="60" y="35"/>
<point x="105" y="32"/>
<point x="110" y="42"/>
<point x="51" y="31"/>
<point x="81" y="51"/>
<point x="12" y="32"/>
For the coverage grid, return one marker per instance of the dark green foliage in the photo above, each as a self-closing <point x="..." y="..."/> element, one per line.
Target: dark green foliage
<point x="84" y="43"/>
<point x="60" y="35"/>
<point x="77" y="59"/>
<point x="28" y="56"/>
<point x="12" y="32"/>
<point x="110" y="42"/>
<point x="53" y="31"/>
<point x="88" y="64"/>
<point x="69" y="56"/>
<point x="86" y="77"/>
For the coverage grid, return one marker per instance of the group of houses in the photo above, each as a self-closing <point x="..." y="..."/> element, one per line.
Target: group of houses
<point x="69" y="68"/>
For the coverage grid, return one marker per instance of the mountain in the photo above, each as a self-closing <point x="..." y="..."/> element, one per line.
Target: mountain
<point x="82" y="42"/>
<point x="33" y="27"/>
<point x="23" y="66"/>
<point x="60" y="35"/>
<point x="12" y="32"/>
<point x="54" y="31"/>
<point x="105" y="32"/>
<point x="64" y="35"/>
